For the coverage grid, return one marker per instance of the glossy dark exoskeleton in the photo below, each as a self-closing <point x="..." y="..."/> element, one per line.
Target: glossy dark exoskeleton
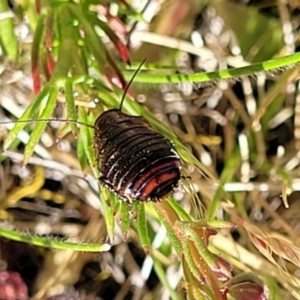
<point x="134" y="161"/>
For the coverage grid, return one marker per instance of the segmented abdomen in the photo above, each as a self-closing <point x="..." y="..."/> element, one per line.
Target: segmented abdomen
<point x="134" y="161"/>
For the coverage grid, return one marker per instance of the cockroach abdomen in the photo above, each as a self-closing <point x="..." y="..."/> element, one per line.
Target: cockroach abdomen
<point x="134" y="161"/>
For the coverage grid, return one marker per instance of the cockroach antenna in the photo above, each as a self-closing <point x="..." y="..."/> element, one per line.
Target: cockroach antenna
<point x="130" y="82"/>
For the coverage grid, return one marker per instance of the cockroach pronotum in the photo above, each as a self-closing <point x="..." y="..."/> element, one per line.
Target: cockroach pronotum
<point x="135" y="162"/>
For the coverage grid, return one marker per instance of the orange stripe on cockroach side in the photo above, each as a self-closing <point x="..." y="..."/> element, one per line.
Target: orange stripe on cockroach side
<point x="135" y="162"/>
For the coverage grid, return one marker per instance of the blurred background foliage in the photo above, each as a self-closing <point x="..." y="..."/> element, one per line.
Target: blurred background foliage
<point x="230" y="231"/>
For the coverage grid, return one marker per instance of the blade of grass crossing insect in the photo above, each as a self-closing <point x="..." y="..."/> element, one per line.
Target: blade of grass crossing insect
<point x="31" y="109"/>
<point x="125" y="222"/>
<point x="139" y="208"/>
<point x="54" y="244"/>
<point x="108" y="211"/>
<point x="39" y="128"/>
<point x="70" y="105"/>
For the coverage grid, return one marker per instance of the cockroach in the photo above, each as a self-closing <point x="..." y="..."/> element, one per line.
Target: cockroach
<point x="134" y="160"/>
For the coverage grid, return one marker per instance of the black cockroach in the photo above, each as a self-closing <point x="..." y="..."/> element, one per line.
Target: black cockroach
<point x="135" y="162"/>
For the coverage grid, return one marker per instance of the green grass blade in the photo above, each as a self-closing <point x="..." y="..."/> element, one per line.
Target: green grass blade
<point x="30" y="111"/>
<point x="85" y="138"/>
<point x="189" y="258"/>
<point x="125" y="221"/>
<point x="269" y="65"/>
<point x="70" y="105"/>
<point x="35" y="52"/>
<point x="139" y="209"/>
<point x="188" y="230"/>
<point x="227" y="175"/>
<point x="39" y="128"/>
<point x="63" y="131"/>
<point x="81" y="152"/>
<point x="161" y="273"/>
<point x="179" y="210"/>
<point x="168" y="217"/>
<point x="8" y="39"/>
<point x="54" y="244"/>
<point x="91" y="150"/>
<point x="92" y="40"/>
<point x="108" y="211"/>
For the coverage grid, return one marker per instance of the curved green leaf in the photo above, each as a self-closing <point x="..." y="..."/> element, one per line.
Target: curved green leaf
<point x="139" y="209"/>
<point x="34" y="105"/>
<point x="125" y="221"/>
<point x="54" y="244"/>
<point x="108" y="211"/>
<point x="39" y="128"/>
<point x="8" y="39"/>
<point x="70" y="105"/>
<point x="269" y="65"/>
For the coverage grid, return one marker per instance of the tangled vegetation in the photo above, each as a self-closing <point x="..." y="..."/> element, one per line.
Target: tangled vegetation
<point x="220" y="82"/>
